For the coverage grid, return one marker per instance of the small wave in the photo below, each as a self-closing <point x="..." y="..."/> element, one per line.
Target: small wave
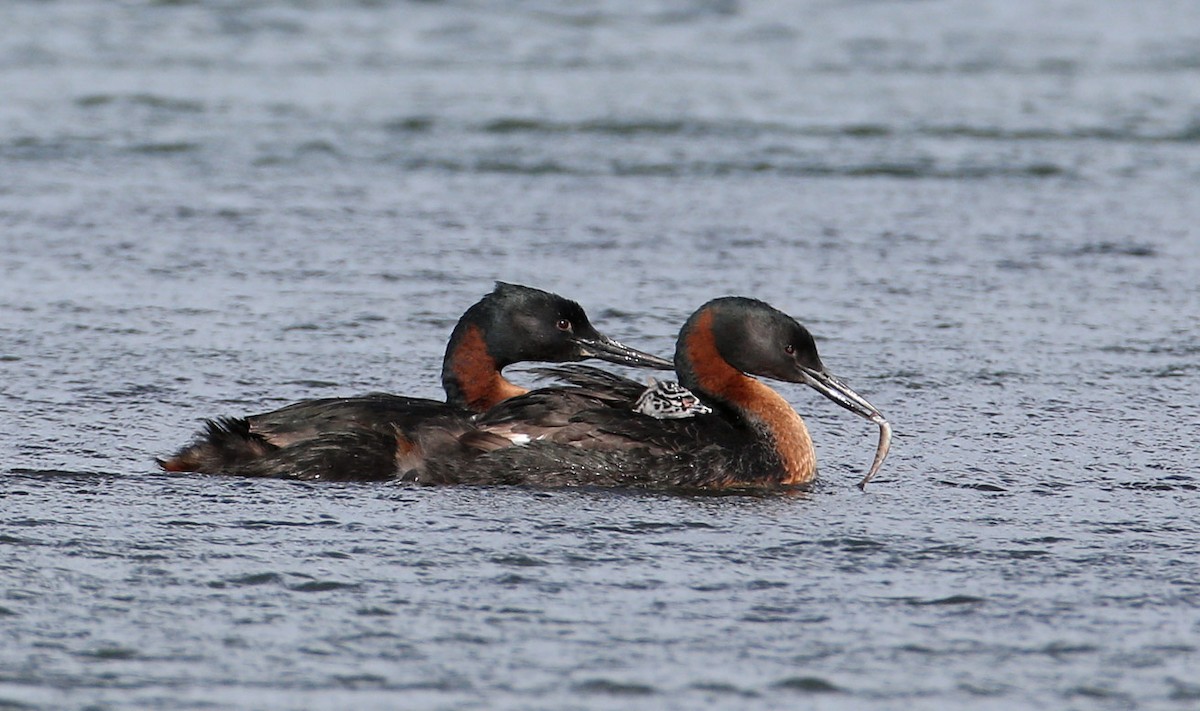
<point x="619" y="127"/>
<point x="614" y="688"/>
<point x="1154" y="348"/>
<point x="640" y="527"/>
<point x="138" y="391"/>
<point x="915" y="170"/>
<point x="1184" y="691"/>
<point x="989" y="691"/>
<point x="766" y="584"/>
<point x="308" y="383"/>
<point x="164" y="148"/>
<point x="519" y="561"/>
<point x="257" y="524"/>
<point x="323" y="586"/>
<point x="546" y="167"/>
<point x="187" y="524"/>
<point x="411" y="124"/>
<point x="1045" y="539"/>
<point x="361" y="681"/>
<point x="115" y="653"/>
<point x="318" y="147"/>
<point x="444" y="685"/>
<point x="951" y="600"/>
<point x="512" y="580"/>
<point x="1094" y="692"/>
<point x="1169" y="56"/>
<point x="807" y="685"/>
<point x="852" y="544"/>
<point x="62" y="473"/>
<point x="1059" y="650"/>
<point x="995" y="488"/>
<point x="249" y="580"/>
<point x="1020" y="554"/>
<point x="695" y="128"/>
<point x="773" y="615"/>
<point x="1112" y="249"/>
<point x="152" y="101"/>
<point x="724" y="689"/>
<point x="1189" y="133"/>
<point x="639" y="585"/>
<point x="1158" y="485"/>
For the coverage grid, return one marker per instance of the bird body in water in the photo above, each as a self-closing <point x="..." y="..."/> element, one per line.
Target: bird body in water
<point x="511" y="324"/>
<point x="587" y="434"/>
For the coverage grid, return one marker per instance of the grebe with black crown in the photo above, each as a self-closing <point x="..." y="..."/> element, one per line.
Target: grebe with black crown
<point x="587" y="434"/>
<point x="511" y="324"/>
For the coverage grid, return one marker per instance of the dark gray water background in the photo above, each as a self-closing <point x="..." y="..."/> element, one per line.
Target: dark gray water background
<point x="986" y="211"/>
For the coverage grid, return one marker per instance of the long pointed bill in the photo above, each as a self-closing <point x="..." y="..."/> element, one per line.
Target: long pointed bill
<point x="612" y="351"/>
<point x="841" y="393"/>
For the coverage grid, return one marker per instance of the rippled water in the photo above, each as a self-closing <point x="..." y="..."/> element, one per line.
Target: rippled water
<point x="986" y="212"/>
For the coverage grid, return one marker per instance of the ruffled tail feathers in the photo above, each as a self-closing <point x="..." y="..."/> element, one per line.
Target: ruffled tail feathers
<point x="225" y="443"/>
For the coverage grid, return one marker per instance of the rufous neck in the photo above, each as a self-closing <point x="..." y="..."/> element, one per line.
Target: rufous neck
<point x="470" y="375"/>
<point x="705" y="370"/>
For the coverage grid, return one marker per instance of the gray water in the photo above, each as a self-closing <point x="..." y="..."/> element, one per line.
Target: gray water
<point x="986" y="212"/>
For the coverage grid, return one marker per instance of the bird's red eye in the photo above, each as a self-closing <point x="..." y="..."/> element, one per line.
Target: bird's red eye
<point x="789" y="349"/>
<point x="563" y="325"/>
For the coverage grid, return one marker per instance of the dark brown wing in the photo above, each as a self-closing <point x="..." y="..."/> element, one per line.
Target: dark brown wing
<point x="351" y="454"/>
<point x="612" y="428"/>
<point x="310" y="418"/>
<point x="376" y="453"/>
<point x="553" y="413"/>
<point x="229" y="445"/>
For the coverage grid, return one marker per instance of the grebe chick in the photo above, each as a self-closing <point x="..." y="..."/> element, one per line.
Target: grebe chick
<point x="668" y="400"/>
<point x="511" y="324"/>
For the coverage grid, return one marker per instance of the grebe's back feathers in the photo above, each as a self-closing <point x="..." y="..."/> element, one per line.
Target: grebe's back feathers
<point x="349" y="454"/>
<point x="602" y="383"/>
<point x="311" y="418"/>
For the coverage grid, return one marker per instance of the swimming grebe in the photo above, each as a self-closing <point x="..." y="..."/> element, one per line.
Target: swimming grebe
<point x="512" y="324"/>
<point x="587" y="434"/>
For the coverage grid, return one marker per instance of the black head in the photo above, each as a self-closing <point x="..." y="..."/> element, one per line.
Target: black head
<point x="520" y="323"/>
<point x="758" y="339"/>
<point x="755" y="338"/>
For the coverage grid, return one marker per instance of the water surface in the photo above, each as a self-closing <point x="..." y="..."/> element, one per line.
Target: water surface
<point x="986" y="212"/>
